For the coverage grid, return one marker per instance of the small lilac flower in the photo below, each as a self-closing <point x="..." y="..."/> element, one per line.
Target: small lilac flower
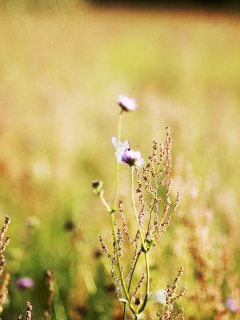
<point x="126" y="103"/>
<point x="232" y="304"/>
<point x="25" y="283"/>
<point x="132" y="158"/>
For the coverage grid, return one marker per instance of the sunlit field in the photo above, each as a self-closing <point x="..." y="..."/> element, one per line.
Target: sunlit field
<point x="61" y="72"/>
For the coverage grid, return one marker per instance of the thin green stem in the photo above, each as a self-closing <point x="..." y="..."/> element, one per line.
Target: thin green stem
<point x="144" y="249"/>
<point x="119" y="263"/>
<point x="119" y="130"/>
<point x="119" y="125"/>
<point x="147" y="283"/>
<point x="135" y="214"/>
<point x="150" y="217"/>
<point x="106" y="205"/>
<point x="130" y="280"/>
<point x="151" y="211"/>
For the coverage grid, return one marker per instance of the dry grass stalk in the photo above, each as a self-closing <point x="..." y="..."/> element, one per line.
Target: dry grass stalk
<point x="3" y="244"/>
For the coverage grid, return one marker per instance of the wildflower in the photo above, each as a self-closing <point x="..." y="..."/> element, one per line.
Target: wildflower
<point x="232" y="304"/>
<point x="132" y="158"/>
<point x="126" y="103"/>
<point x="25" y="283"/>
<point x="124" y="154"/>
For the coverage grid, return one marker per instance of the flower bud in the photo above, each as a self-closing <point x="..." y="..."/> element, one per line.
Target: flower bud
<point x="97" y="186"/>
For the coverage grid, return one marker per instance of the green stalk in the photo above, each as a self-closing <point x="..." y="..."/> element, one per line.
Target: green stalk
<point x="106" y="205"/>
<point x="130" y="282"/>
<point x="135" y="213"/>
<point x="144" y="249"/>
<point x="112" y="210"/>
<point x="118" y="257"/>
<point x="119" y="129"/>
<point x="147" y="284"/>
<point x="127" y="297"/>
<point x="150" y="217"/>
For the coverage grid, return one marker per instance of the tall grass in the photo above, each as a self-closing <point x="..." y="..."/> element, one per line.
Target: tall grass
<point x="60" y="73"/>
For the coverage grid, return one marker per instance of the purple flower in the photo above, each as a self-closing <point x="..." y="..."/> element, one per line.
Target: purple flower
<point x="232" y="304"/>
<point x="25" y="283"/>
<point x="124" y="154"/>
<point x="132" y="158"/>
<point x="126" y="103"/>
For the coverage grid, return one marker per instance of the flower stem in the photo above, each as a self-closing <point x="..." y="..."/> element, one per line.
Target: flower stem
<point x="127" y="297"/>
<point x="118" y="256"/>
<point x="135" y="214"/>
<point x="144" y="249"/>
<point x="106" y="205"/>
<point x="119" y="129"/>
<point x="147" y="283"/>
<point x="130" y="280"/>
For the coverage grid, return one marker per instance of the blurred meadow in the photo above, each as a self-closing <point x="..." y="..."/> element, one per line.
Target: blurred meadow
<point x="61" y="72"/>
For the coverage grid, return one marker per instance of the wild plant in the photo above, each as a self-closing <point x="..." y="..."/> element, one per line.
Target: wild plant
<point x="28" y="312"/>
<point x="4" y="241"/>
<point x="216" y="283"/>
<point x="152" y="208"/>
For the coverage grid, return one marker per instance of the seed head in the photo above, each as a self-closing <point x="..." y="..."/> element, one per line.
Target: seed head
<point x="97" y="186"/>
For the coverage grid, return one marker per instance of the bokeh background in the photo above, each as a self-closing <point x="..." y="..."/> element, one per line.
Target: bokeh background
<point x="62" y="68"/>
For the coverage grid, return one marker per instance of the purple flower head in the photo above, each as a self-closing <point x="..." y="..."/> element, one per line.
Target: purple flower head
<point x="124" y="154"/>
<point x="126" y="103"/>
<point x="25" y="283"/>
<point x="132" y="158"/>
<point x="232" y="304"/>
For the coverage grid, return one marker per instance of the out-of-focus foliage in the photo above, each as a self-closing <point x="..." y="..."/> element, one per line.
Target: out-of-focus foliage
<point x="49" y="5"/>
<point x="180" y="4"/>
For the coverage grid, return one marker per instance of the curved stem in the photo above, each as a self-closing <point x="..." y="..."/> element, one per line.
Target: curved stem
<point x="106" y="205"/>
<point x="147" y="284"/>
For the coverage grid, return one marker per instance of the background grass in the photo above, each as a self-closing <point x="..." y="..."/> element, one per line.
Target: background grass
<point x="61" y="73"/>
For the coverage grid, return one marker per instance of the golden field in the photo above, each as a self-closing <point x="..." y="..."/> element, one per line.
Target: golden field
<point x="61" y="73"/>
